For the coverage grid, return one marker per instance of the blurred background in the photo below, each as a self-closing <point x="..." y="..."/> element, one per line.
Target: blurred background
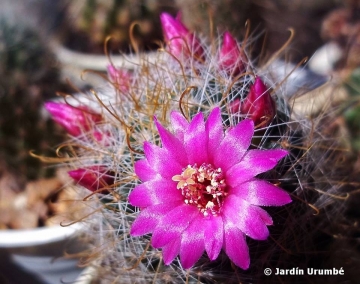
<point x="41" y="39"/>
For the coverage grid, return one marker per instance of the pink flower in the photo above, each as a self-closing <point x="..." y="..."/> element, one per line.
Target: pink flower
<point x="200" y="190"/>
<point x="119" y="77"/>
<point x="258" y="104"/>
<point x="93" y="178"/>
<point x="180" y="41"/>
<point x="75" y="120"/>
<point x="231" y="58"/>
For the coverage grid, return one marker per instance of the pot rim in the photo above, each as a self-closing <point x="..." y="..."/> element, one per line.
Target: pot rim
<point x="86" y="61"/>
<point x="37" y="236"/>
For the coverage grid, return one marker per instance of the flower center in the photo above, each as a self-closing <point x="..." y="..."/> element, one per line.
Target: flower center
<point x="203" y="187"/>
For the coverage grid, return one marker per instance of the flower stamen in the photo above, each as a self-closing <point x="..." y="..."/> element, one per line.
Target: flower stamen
<point x="203" y="187"/>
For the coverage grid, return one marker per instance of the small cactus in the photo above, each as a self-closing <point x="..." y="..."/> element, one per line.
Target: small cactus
<point x="90" y="22"/>
<point x="27" y="77"/>
<point x="162" y="132"/>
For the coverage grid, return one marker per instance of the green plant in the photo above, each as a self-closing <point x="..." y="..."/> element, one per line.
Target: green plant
<point x="90" y="22"/>
<point x="28" y="76"/>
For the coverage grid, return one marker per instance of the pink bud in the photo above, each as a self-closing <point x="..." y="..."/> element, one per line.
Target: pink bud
<point x="75" y="120"/>
<point x="235" y="106"/>
<point x="231" y="58"/>
<point x="93" y="178"/>
<point x="258" y="104"/>
<point x="179" y="39"/>
<point x="119" y="77"/>
<point x="178" y="16"/>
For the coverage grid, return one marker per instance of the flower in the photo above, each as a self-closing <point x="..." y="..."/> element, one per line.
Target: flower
<point x="179" y="39"/>
<point x="93" y="178"/>
<point x="231" y="58"/>
<point x="258" y="105"/>
<point x="74" y="120"/>
<point x="200" y="190"/>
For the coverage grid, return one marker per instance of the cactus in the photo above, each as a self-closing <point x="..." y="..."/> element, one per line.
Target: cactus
<point x="27" y="77"/>
<point x="145" y="129"/>
<point x="352" y="109"/>
<point x="92" y="21"/>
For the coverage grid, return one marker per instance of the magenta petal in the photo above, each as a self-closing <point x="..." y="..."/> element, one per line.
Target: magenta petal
<point x="235" y="144"/>
<point x="161" y="161"/>
<point x="120" y="77"/>
<point x="196" y="141"/>
<point x="258" y="104"/>
<point x="171" y="250"/>
<point x="179" y="39"/>
<point x="254" y="162"/>
<point x="76" y="120"/>
<point x="112" y="72"/>
<point x="245" y="217"/>
<point x="175" y="33"/>
<point x="214" y="236"/>
<point x="262" y="193"/>
<point x="172" y="27"/>
<point x="263" y="160"/>
<point x="179" y="124"/>
<point x="93" y="178"/>
<point x="149" y="218"/>
<point x="87" y="178"/>
<point x="235" y="246"/>
<point x="154" y="192"/>
<point x="173" y="224"/>
<point x="172" y="144"/>
<point x="192" y="242"/>
<point x="238" y="175"/>
<point x="264" y="216"/>
<point x="230" y="56"/>
<point x="214" y="130"/>
<point x="144" y="171"/>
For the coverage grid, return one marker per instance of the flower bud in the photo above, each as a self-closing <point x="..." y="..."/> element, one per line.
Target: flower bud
<point x="235" y="106"/>
<point x="179" y="39"/>
<point x="75" y="120"/>
<point x="259" y="105"/>
<point x="232" y="59"/>
<point x="119" y="77"/>
<point x="93" y="178"/>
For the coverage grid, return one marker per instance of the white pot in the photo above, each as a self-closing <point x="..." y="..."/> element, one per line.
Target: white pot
<point x="74" y="65"/>
<point x="40" y="252"/>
